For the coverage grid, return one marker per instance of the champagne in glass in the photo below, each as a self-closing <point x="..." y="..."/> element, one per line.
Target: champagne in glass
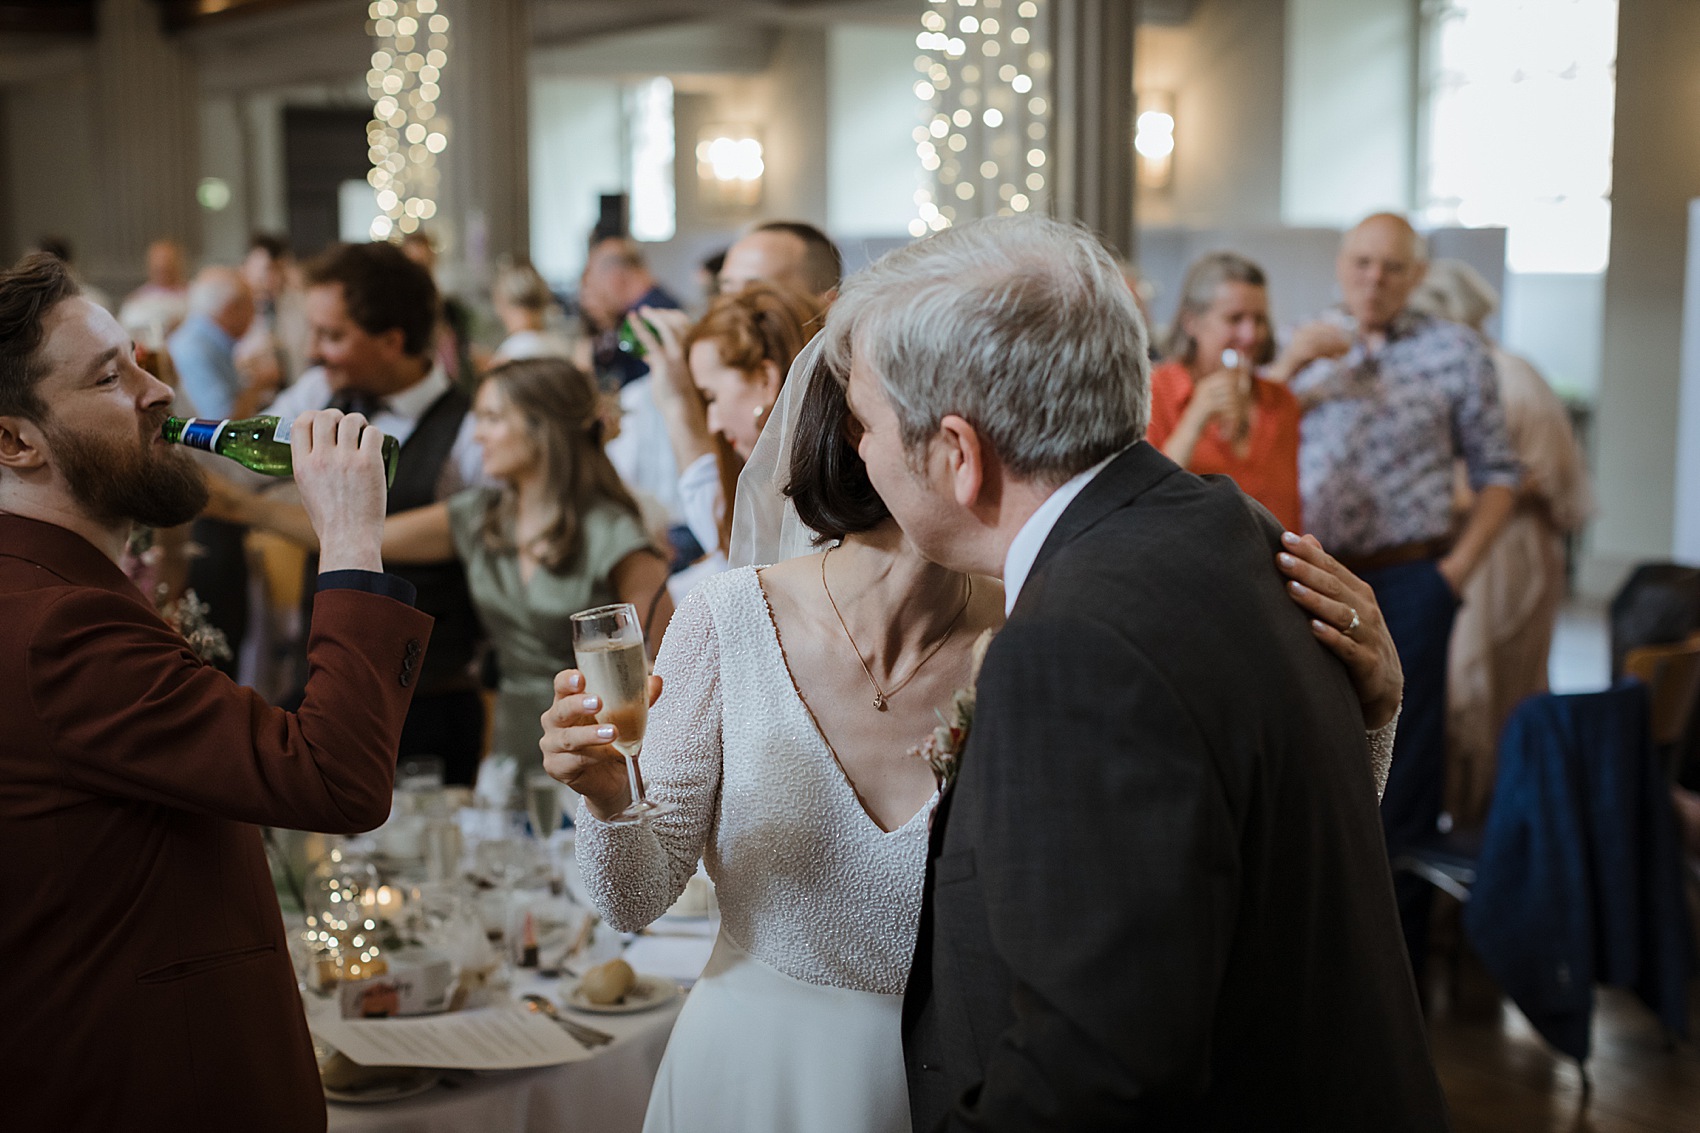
<point x="608" y="648"/>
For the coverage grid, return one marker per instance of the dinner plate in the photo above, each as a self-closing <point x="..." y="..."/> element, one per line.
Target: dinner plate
<point x="647" y="992"/>
<point x="412" y="1086"/>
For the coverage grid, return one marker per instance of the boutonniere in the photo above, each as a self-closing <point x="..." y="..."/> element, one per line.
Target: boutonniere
<point x="943" y="749"/>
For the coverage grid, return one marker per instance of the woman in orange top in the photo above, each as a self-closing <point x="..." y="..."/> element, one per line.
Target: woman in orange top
<point x="1210" y="412"/>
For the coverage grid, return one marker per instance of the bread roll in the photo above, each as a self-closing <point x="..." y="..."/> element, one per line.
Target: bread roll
<point x="607" y="983"/>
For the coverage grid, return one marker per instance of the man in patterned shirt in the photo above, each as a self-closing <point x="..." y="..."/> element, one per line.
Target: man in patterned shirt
<point x="1394" y="400"/>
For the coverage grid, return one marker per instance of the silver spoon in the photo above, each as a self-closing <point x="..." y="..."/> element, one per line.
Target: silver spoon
<point x="588" y="1036"/>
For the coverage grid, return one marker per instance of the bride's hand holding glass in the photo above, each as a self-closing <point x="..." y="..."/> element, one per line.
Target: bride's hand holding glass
<point x="580" y="752"/>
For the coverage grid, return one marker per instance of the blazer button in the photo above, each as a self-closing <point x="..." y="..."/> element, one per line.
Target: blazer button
<point x="406" y="678"/>
<point x="413" y="648"/>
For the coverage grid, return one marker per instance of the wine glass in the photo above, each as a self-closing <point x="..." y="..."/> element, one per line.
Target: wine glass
<point x="543" y="804"/>
<point x="608" y="648"/>
<point x="505" y="856"/>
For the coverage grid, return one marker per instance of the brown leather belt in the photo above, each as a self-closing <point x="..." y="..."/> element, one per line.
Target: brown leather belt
<point x="1397" y="556"/>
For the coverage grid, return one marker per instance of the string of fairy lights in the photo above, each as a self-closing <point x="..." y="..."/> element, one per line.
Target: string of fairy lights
<point x="411" y="45"/>
<point x="984" y="142"/>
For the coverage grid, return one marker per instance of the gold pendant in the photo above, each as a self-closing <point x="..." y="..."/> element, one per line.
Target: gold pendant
<point x="879" y="701"/>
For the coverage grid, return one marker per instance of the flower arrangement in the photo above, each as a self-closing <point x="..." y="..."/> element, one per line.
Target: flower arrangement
<point x="145" y="563"/>
<point x="943" y="749"/>
<point x="188" y="616"/>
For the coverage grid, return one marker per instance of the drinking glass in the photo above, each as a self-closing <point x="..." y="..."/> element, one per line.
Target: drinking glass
<point x="608" y="647"/>
<point x="505" y="856"/>
<point x="543" y="804"/>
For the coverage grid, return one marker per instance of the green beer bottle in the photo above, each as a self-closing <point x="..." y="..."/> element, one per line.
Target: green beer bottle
<point x="627" y="338"/>
<point x="258" y="443"/>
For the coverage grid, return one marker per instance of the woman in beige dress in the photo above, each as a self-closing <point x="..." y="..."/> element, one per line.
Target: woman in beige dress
<point x="1504" y="631"/>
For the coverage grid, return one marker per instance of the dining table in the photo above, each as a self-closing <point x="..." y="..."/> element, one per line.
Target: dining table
<point x="606" y="1093"/>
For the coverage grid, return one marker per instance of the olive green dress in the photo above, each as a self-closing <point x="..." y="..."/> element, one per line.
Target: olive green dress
<point x="529" y="623"/>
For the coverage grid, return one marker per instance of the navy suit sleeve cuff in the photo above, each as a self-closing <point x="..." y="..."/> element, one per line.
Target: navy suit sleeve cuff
<point x="370" y="581"/>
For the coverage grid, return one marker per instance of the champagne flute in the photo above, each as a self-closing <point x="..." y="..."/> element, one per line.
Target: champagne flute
<point x="608" y="648"/>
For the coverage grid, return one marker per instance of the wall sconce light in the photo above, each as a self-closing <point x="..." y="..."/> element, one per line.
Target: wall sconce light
<point x="730" y="166"/>
<point x="1154" y="139"/>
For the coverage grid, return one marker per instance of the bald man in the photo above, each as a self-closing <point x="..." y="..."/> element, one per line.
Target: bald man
<point x="203" y="351"/>
<point x="787" y="253"/>
<point x="1394" y="400"/>
<point x="203" y="348"/>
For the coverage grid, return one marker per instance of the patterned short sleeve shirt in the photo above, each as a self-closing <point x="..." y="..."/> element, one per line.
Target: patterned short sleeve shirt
<point x="1377" y="447"/>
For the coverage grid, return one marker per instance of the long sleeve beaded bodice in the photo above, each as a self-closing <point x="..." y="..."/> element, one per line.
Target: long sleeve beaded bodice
<point x="808" y="883"/>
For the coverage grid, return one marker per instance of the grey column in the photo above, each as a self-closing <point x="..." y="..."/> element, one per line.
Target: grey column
<point x="148" y="132"/>
<point x="1092" y="136"/>
<point x="485" y="169"/>
<point x="1655" y="173"/>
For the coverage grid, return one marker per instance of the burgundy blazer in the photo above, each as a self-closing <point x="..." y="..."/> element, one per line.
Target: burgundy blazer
<point x="145" y="982"/>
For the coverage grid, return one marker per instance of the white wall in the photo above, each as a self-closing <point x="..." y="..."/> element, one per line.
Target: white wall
<point x="1687" y="522"/>
<point x="1555" y="322"/>
<point x="872" y="168"/>
<point x="1349" y="111"/>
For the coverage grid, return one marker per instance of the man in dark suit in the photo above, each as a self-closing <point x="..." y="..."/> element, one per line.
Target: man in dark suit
<point x="373" y="312"/>
<point x="1156" y="896"/>
<point x="145" y="980"/>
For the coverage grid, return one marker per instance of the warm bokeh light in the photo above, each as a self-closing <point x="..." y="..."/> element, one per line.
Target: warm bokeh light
<point x="403" y="83"/>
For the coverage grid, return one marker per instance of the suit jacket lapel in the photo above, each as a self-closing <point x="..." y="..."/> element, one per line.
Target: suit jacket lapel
<point x="1123" y="480"/>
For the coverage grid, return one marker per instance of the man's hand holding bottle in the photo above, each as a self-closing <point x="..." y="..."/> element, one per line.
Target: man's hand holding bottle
<point x="339" y="470"/>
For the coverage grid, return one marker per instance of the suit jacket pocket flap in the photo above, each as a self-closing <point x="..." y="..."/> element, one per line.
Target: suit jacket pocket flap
<point x="195" y="965"/>
<point x="954" y="867"/>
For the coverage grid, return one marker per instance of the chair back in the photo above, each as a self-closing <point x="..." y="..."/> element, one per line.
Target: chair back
<point x="1672" y="676"/>
<point x="1658" y="605"/>
<point x="1579" y="880"/>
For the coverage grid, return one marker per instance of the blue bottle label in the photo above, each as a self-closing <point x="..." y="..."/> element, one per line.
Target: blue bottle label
<point x="200" y="434"/>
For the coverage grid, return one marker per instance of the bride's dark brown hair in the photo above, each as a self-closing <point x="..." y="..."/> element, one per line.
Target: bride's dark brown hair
<point x="827" y="481"/>
<point x="558" y="403"/>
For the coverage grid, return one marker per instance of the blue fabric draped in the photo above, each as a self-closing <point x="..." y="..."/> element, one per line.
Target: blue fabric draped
<point x="1580" y="879"/>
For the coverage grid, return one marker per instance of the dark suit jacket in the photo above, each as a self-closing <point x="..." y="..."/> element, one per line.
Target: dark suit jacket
<point x="145" y="982"/>
<point x="1157" y="896"/>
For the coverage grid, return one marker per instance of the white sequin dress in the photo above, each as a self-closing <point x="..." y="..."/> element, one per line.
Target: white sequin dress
<point x="796" y="1023"/>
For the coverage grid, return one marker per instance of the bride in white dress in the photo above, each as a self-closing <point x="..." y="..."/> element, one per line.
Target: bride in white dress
<point x="793" y="695"/>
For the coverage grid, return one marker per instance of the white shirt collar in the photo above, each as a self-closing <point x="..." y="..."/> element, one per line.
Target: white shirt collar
<point x="1025" y="547"/>
<point x="412" y="402"/>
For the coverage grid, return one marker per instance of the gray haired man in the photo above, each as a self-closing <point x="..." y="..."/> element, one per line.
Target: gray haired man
<point x="1156" y="894"/>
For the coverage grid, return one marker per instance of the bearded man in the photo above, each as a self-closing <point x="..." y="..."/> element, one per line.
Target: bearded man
<point x="145" y="981"/>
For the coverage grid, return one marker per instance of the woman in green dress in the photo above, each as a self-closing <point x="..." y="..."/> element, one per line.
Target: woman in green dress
<point x="557" y="533"/>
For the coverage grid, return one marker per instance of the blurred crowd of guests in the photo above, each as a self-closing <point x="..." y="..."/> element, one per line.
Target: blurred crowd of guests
<point x="561" y="452"/>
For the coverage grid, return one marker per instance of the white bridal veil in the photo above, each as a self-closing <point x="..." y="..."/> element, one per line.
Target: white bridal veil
<point x="765" y="527"/>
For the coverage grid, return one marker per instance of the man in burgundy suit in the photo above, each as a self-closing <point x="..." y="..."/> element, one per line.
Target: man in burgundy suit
<point x="145" y="982"/>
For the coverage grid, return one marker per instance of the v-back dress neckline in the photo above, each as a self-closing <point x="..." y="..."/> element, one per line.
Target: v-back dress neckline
<point x="822" y="742"/>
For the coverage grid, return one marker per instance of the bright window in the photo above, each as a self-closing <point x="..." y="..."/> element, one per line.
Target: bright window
<point x="1519" y="126"/>
<point x="649" y="124"/>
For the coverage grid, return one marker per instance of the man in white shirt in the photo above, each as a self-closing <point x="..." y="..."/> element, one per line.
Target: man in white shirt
<point x="1156" y="891"/>
<point x="373" y="315"/>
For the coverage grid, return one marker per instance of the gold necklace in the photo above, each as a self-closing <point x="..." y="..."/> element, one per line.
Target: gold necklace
<point x="882" y="697"/>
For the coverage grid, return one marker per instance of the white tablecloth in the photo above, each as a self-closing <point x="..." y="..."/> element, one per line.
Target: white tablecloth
<point x="605" y="1094"/>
